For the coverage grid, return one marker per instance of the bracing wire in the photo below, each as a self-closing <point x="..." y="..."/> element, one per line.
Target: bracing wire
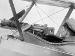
<point x="38" y="12"/>
<point x="30" y="18"/>
<point x="40" y="19"/>
<point x="49" y="15"/>
<point x="52" y="13"/>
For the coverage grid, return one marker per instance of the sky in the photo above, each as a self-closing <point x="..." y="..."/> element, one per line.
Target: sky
<point x="41" y="14"/>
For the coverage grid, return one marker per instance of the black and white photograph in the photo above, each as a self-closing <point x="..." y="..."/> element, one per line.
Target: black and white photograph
<point x="37" y="27"/>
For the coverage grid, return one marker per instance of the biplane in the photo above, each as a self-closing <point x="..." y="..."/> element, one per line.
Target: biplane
<point x="14" y="23"/>
<point x="35" y="39"/>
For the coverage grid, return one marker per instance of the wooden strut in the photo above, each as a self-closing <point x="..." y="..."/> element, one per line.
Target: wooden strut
<point x="16" y="20"/>
<point x="28" y="10"/>
<point x="19" y="27"/>
<point x="66" y="18"/>
<point x="26" y="13"/>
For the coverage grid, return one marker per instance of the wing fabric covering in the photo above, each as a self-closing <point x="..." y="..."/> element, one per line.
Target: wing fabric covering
<point x="59" y="3"/>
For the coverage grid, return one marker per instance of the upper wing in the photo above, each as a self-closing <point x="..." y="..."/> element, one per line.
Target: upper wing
<point x="59" y="3"/>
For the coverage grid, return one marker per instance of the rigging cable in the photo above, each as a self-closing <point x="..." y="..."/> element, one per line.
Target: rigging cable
<point x="50" y="15"/>
<point x="39" y="13"/>
<point x="30" y="18"/>
<point x="46" y="15"/>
